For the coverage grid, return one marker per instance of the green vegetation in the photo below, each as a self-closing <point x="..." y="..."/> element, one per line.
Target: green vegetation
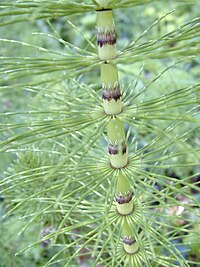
<point x="100" y="136"/>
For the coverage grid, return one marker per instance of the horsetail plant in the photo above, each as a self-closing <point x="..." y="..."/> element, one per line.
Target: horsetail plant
<point x="106" y="40"/>
<point x="134" y="205"/>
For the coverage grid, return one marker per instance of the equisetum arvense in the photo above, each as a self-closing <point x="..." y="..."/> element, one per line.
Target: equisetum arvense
<point x="112" y="104"/>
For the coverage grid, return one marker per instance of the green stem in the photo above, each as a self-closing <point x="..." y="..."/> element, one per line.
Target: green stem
<point x="103" y="3"/>
<point x="123" y="195"/>
<point x="106" y="37"/>
<point x="110" y="89"/>
<point x="129" y="242"/>
<point x="117" y="145"/>
<point x="106" y="40"/>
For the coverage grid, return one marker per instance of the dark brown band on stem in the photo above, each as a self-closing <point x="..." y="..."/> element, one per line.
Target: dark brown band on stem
<point x="106" y="38"/>
<point x="113" y="149"/>
<point x="124" y="199"/>
<point x="128" y="241"/>
<point x="111" y="94"/>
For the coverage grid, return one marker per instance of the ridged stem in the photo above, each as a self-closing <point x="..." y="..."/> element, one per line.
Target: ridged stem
<point x="106" y="37"/>
<point x="123" y="195"/>
<point x="111" y="94"/>
<point x="117" y="144"/>
<point x="112" y="104"/>
<point x="130" y="244"/>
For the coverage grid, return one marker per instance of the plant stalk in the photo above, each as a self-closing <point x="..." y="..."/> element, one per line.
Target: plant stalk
<point x="112" y="105"/>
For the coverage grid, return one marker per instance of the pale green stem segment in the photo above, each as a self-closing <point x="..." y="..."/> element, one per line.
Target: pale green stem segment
<point x="111" y="89"/>
<point x="130" y="244"/>
<point x="117" y="145"/>
<point x="123" y="195"/>
<point x="106" y="37"/>
<point x="106" y="40"/>
<point x="115" y="130"/>
<point x="103" y="3"/>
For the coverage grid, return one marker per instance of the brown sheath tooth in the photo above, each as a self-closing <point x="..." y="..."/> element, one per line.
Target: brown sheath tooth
<point x="128" y="241"/>
<point x="113" y="149"/>
<point x="111" y="94"/>
<point x="106" y="38"/>
<point x="124" y="199"/>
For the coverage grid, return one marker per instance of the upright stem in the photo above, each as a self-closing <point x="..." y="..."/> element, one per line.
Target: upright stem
<point x="106" y="37"/>
<point x="117" y="144"/>
<point x="112" y="104"/>
<point x="123" y="195"/>
<point x="110" y="89"/>
<point x="130" y="244"/>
